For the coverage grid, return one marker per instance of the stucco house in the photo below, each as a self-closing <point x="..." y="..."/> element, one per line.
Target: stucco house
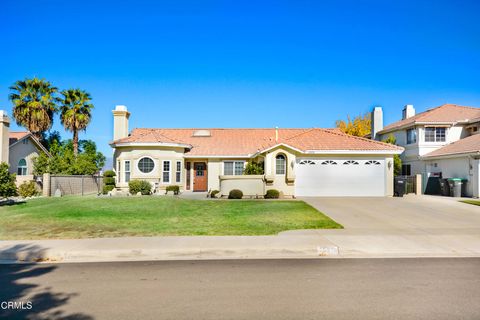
<point x="18" y="149"/>
<point x="440" y="142"/>
<point x="297" y="162"/>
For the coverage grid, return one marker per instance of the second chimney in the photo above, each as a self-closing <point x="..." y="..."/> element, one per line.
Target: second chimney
<point x="408" y="111"/>
<point x="377" y="122"/>
<point x="120" y="122"/>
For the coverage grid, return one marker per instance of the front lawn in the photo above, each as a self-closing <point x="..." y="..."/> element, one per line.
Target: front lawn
<point x="88" y="217"/>
<point x="474" y="202"/>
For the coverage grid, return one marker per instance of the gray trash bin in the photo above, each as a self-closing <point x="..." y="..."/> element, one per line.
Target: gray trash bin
<point x="455" y="185"/>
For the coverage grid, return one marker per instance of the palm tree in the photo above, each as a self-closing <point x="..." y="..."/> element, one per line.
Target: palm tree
<point x="75" y="112"/>
<point x="34" y="104"/>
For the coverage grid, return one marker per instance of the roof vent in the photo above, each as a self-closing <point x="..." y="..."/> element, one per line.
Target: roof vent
<point x="202" y="133"/>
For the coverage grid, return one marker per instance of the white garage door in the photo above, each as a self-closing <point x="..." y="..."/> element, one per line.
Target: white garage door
<point x="335" y="177"/>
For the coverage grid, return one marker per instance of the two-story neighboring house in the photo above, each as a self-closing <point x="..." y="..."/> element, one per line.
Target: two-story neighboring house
<point x="442" y="141"/>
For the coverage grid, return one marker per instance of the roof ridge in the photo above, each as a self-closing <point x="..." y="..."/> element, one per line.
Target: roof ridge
<point x="340" y="133"/>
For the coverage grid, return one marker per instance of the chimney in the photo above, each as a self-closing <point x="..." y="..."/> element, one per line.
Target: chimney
<point x="4" y="136"/>
<point x="120" y="122"/>
<point x="377" y="122"/>
<point x="408" y="111"/>
<point x="276" y="134"/>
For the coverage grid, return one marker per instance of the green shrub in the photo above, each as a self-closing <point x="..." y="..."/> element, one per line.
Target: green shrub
<point x="7" y="182"/>
<point x="235" y="194"/>
<point x="272" y="194"/>
<point x="28" y="189"/>
<point x="109" y="174"/>
<point x="142" y="186"/>
<point x="175" y="189"/>
<point x="107" y="188"/>
<point x="214" y="193"/>
<point x="253" y="168"/>
<point x="109" y="181"/>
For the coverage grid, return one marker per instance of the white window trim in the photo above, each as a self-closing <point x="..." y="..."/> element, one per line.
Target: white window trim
<point x="233" y="161"/>
<point x="285" y="165"/>
<point x="125" y="170"/>
<point x="176" y="171"/>
<point x="435" y="134"/>
<point x="22" y="167"/>
<point x="169" y="172"/>
<point x="416" y="136"/>
<point x="149" y="173"/>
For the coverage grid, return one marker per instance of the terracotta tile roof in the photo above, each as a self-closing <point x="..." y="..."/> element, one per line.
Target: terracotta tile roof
<point x="14" y="136"/>
<point x="242" y="142"/>
<point x="466" y="145"/>
<point x="444" y="113"/>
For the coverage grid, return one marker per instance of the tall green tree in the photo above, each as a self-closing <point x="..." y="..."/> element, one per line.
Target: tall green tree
<point x="75" y="112"/>
<point x="34" y="104"/>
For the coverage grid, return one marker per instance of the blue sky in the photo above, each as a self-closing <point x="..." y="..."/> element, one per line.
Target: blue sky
<point x="244" y="64"/>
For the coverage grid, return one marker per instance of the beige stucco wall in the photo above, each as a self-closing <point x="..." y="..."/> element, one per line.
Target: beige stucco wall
<point x="459" y="167"/>
<point x="283" y="183"/>
<point x="134" y="154"/>
<point x="251" y="185"/>
<point x="25" y="149"/>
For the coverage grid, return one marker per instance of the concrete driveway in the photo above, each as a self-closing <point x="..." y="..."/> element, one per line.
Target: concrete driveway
<point x="409" y="226"/>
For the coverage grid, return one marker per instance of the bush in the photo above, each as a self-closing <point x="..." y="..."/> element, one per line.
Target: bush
<point x="213" y="193"/>
<point x="272" y="194"/>
<point x="7" y="182"/>
<point x="107" y="188"/>
<point x="175" y="189"/>
<point x="109" y="174"/>
<point x="108" y="181"/>
<point x="235" y="194"/>
<point x="28" y="189"/>
<point x="142" y="186"/>
<point x="253" y="168"/>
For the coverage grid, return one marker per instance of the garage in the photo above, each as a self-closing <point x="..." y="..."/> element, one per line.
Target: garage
<point x="340" y="177"/>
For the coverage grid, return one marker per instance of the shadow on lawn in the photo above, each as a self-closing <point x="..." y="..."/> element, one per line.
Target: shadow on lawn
<point x="15" y="287"/>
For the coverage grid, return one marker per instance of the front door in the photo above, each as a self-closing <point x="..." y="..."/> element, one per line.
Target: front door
<point x="199" y="176"/>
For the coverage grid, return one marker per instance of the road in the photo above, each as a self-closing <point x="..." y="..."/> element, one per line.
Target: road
<point x="247" y="289"/>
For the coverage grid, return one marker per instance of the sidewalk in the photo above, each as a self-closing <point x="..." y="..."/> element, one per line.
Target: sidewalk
<point x="166" y="248"/>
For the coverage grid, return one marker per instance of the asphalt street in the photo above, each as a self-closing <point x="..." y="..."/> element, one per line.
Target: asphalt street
<point x="420" y="288"/>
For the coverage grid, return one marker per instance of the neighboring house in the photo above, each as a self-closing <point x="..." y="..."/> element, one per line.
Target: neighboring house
<point x="297" y="162"/>
<point x="442" y="142"/>
<point x="18" y="149"/>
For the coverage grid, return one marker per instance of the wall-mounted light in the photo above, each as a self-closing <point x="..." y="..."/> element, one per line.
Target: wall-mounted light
<point x="389" y="164"/>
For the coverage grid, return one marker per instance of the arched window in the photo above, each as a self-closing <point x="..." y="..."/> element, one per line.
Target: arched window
<point x="22" y="167"/>
<point x="280" y="164"/>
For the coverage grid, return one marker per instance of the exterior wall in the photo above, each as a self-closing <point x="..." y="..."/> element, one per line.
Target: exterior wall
<point x="460" y="167"/>
<point x="283" y="183"/>
<point x="4" y="137"/>
<point x="215" y="169"/>
<point x="134" y="154"/>
<point x="251" y="185"/>
<point x="25" y="149"/>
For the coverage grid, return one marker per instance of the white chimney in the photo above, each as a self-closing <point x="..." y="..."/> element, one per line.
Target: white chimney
<point x="377" y="122"/>
<point x="408" y="111"/>
<point x="4" y="136"/>
<point x="120" y="122"/>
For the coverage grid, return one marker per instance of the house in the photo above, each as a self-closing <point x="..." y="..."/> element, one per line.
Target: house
<point x="18" y="149"/>
<point x="297" y="162"/>
<point x="440" y="142"/>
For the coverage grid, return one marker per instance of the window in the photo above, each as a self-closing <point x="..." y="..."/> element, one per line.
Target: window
<point x="25" y="141"/>
<point x="231" y="168"/>
<point x="178" y="173"/>
<point x="146" y="165"/>
<point x="166" y="171"/>
<point x="406" y="169"/>
<point x="280" y="164"/>
<point x="307" y="162"/>
<point x="411" y="136"/>
<point x="348" y="162"/>
<point x="372" y="162"/>
<point x="329" y="162"/>
<point x="434" y="134"/>
<point x="22" y="167"/>
<point x="127" y="170"/>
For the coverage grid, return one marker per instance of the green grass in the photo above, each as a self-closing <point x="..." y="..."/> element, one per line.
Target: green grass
<point x="474" y="202"/>
<point x="87" y="217"/>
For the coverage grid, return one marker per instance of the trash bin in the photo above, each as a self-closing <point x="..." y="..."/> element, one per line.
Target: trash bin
<point x="455" y="185"/>
<point x="444" y="187"/>
<point x="400" y="186"/>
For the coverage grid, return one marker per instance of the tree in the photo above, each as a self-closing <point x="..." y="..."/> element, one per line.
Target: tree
<point x="253" y="168"/>
<point x="360" y="126"/>
<point x="397" y="161"/>
<point x="7" y="182"/>
<point x="75" y="112"/>
<point x="34" y="104"/>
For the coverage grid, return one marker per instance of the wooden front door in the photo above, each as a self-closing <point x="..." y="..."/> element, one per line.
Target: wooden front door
<point x="199" y="176"/>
